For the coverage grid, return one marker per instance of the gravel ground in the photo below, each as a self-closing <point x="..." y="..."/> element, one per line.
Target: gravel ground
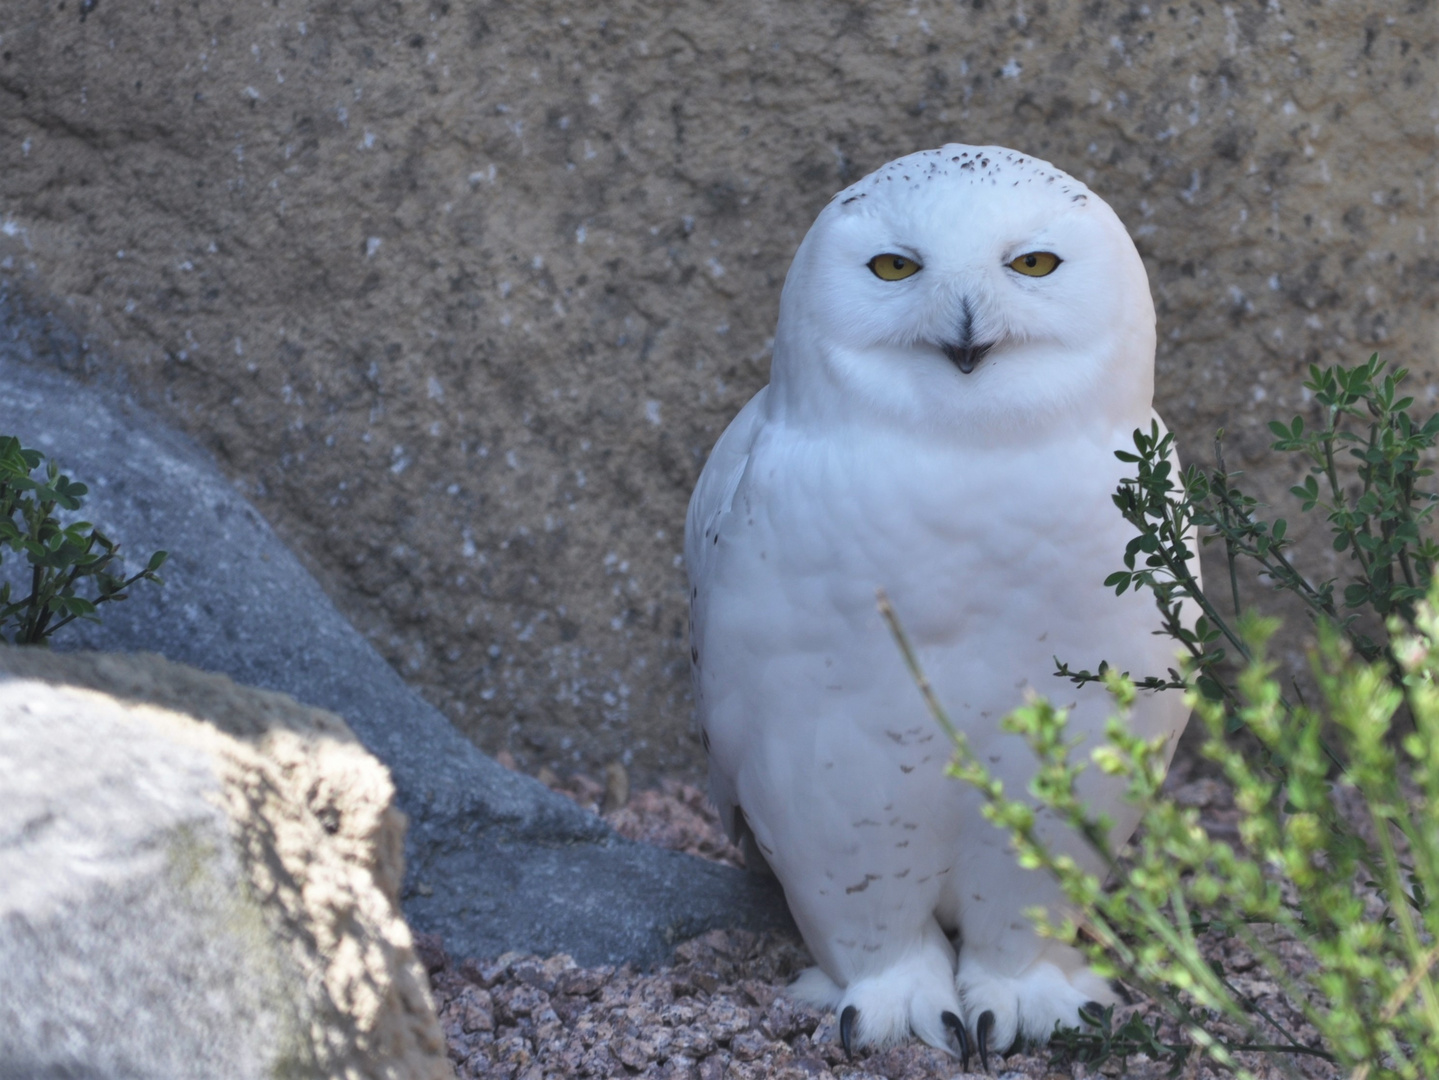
<point x="720" y="1011"/>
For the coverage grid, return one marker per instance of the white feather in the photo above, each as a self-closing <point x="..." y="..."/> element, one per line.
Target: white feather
<point x="981" y="503"/>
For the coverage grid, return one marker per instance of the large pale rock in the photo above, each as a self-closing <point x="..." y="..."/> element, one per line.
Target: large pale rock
<point x="494" y="860"/>
<point x="196" y="880"/>
<point x="462" y="291"/>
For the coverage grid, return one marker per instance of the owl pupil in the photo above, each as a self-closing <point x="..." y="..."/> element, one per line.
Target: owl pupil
<point x="899" y="264"/>
<point x="1030" y="261"/>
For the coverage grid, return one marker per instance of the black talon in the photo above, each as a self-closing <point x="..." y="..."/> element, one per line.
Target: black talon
<point x="956" y="1025"/>
<point x="846" y="1029"/>
<point x="1093" y="1011"/>
<point x="981" y="1035"/>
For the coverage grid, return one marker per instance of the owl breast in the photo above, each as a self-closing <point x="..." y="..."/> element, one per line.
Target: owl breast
<point x="810" y="713"/>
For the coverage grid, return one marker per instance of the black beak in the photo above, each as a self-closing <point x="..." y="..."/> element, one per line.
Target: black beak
<point x="966" y="356"/>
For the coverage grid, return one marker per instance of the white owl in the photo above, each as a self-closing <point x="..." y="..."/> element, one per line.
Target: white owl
<point x="965" y="338"/>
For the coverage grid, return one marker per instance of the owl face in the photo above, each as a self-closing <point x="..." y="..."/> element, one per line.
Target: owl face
<point x="967" y="287"/>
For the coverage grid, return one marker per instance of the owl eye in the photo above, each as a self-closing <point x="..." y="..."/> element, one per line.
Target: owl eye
<point x="1036" y="263"/>
<point x="891" y="267"/>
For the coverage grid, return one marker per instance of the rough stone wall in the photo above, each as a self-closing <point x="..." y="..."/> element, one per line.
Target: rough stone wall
<point x="461" y="293"/>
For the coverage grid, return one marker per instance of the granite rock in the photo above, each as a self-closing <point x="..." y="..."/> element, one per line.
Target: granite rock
<point x="196" y="880"/>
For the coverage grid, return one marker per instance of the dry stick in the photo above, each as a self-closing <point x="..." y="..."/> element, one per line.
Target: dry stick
<point x="1229" y="542"/>
<point x="912" y="662"/>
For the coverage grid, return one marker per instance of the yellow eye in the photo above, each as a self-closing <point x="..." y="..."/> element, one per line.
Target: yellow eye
<point x="891" y="267"/>
<point x="1036" y="263"/>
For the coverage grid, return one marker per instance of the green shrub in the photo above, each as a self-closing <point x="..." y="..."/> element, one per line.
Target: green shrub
<point x="65" y="561"/>
<point x="1350" y="893"/>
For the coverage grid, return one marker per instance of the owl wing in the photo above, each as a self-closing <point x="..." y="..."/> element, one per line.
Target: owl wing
<point x="709" y="506"/>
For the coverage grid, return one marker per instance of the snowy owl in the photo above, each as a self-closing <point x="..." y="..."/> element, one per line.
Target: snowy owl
<point x="965" y="338"/>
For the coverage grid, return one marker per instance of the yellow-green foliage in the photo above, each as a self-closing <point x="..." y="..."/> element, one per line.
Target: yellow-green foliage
<point x="1354" y="894"/>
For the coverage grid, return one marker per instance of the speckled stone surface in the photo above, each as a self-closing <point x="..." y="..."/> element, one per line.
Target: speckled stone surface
<point x="461" y="292"/>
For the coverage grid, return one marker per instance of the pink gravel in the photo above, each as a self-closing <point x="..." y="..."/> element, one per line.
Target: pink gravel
<point x="719" y="1012"/>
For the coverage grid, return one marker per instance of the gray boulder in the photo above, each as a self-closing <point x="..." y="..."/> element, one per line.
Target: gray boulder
<point x="197" y="880"/>
<point x="495" y="861"/>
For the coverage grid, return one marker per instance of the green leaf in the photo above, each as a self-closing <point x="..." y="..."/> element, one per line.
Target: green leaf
<point x="64" y="557"/>
<point x="1210" y="687"/>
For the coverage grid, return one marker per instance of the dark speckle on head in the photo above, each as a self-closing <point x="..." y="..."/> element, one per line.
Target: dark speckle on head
<point x="979" y="163"/>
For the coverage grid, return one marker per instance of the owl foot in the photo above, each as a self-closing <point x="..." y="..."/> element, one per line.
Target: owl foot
<point x="917" y="995"/>
<point x="983" y="1028"/>
<point x="1007" y="1010"/>
<point x="814" y="987"/>
<point x="956" y="1025"/>
<point x="846" y="1029"/>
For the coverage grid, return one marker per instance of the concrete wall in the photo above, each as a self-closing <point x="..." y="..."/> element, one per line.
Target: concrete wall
<point x="461" y="293"/>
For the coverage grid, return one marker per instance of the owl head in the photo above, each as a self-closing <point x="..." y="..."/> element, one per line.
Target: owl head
<point x="972" y="291"/>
